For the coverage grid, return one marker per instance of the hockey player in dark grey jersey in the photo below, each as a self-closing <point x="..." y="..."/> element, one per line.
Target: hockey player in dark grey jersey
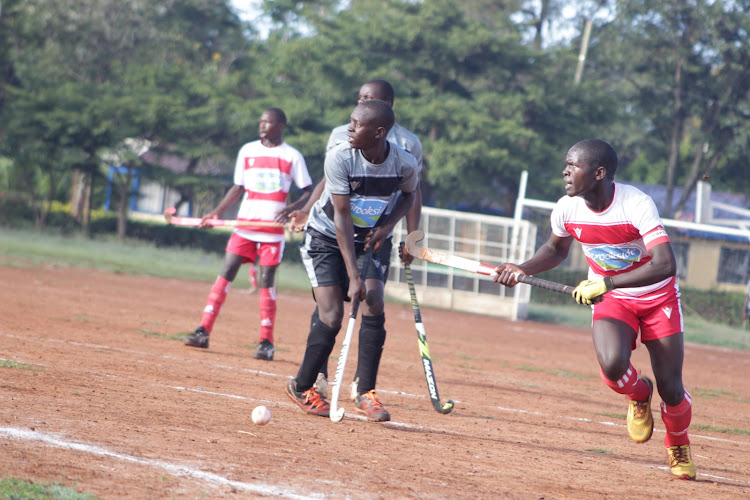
<point x="362" y="177"/>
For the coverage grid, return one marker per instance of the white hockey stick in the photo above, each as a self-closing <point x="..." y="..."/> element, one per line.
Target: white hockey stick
<point x="473" y="266"/>
<point x="336" y="413"/>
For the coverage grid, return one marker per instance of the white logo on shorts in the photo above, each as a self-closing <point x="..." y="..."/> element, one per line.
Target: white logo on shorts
<point x="667" y="311"/>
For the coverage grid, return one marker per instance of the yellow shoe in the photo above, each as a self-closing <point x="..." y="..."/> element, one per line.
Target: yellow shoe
<point x="640" y="421"/>
<point x="680" y="462"/>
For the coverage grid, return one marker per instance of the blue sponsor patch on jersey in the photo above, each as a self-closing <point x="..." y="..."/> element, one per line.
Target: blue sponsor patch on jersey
<point x="366" y="212"/>
<point x="265" y="180"/>
<point x="615" y="258"/>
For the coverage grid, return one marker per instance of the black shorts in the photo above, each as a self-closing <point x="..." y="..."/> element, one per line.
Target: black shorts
<point x="325" y="266"/>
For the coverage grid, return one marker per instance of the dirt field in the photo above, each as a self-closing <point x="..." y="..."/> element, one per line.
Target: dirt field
<point x="98" y="392"/>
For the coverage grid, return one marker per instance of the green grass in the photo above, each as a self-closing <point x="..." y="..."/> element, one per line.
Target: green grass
<point x="17" y="489"/>
<point x="723" y="430"/>
<point x="152" y="333"/>
<point x="599" y="450"/>
<point x="560" y="373"/>
<point x="709" y="393"/>
<point x="616" y="416"/>
<point x="6" y="363"/>
<point x="27" y="248"/>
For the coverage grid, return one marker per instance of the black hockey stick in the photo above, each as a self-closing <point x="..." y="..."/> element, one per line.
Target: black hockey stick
<point x="424" y="350"/>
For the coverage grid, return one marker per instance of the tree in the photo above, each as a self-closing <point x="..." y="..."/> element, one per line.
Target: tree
<point x="133" y="69"/>
<point x="687" y="63"/>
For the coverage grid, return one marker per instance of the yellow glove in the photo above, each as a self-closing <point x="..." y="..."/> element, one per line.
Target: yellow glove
<point x="589" y="290"/>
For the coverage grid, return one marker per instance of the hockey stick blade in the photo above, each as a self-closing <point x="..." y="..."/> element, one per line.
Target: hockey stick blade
<point x="336" y="414"/>
<point x="473" y="266"/>
<point x="424" y="350"/>
<point x="171" y="218"/>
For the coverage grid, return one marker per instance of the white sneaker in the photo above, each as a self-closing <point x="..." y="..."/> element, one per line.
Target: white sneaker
<point x="321" y="385"/>
<point x="354" y="392"/>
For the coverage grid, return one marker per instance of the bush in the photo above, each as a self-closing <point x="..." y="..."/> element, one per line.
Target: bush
<point x="713" y="306"/>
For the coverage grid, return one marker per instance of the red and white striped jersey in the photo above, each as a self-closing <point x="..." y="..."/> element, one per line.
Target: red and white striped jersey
<point x="267" y="175"/>
<point x="617" y="239"/>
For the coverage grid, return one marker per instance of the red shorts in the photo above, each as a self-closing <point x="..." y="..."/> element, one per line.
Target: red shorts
<point x="263" y="254"/>
<point x="654" y="317"/>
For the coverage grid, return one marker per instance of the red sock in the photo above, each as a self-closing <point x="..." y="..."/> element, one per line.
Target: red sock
<point x="677" y="420"/>
<point x="629" y="384"/>
<point x="267" y="313"/>
<point x="215" y="300"/>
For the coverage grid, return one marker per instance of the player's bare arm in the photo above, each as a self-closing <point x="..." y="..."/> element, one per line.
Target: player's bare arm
<point x="661" y="266"/>
<point x="412" y="224"/>
<point x="284" y="214"/>
<point x="233" y="194"/>
<point x="299" y="215"/>
<point x="342" y="220"/>
<point x="376" y="238"/>
<point x="414" y="215"/>
<point x="548" y="256"/>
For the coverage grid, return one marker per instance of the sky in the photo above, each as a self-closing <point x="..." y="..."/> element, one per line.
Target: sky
<point x="249" y="10"/>
<point x="569" y="24"/>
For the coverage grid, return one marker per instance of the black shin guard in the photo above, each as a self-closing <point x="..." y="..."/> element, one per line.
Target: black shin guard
<point x="313" y="320"/>
<point x="320" y="343"/>
<point x="371" y="342"/>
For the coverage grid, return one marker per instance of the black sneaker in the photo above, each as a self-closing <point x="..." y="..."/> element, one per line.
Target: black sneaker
<point x="199" y="338"/>
<point x="264" y="350"/>
<point x="310" y="401"/>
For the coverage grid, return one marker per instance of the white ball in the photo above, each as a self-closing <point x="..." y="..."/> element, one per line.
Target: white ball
<point x="261" y="415"/>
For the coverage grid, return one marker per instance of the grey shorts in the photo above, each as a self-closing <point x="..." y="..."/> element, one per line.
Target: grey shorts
<point x="325" y="266"/>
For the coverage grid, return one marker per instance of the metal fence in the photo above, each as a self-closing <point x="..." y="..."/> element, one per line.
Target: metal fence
<point x="490" y="239"/>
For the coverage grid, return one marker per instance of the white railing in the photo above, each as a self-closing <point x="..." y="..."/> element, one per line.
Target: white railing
<point x="486" y="238"/>
<point x="704" y="210"/>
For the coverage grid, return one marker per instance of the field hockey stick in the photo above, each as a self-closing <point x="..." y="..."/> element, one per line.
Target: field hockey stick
<point x="424" y="350"/>
<point x="474" y="266"/>
<point x="336" y="413"/>
<point x="169" y="215"/>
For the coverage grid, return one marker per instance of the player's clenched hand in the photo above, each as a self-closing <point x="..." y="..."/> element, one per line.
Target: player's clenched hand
<point x="404" y="254"/>
<point x="505" y="274"/>
<point x="590" y="291"/>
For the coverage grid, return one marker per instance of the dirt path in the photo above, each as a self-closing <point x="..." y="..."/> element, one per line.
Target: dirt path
<point x="97" y="392"/>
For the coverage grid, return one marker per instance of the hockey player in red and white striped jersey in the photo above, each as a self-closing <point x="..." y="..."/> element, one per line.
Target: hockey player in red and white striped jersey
<point x="631" y="287"/>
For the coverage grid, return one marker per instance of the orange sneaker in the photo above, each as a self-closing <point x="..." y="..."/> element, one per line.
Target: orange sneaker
<point x="367" y="404"/>
<point x="309" y="400"/>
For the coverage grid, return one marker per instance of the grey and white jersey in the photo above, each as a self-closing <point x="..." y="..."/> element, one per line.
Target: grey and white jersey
<point x="370" y="187"/>
<point x="397" y="135"/>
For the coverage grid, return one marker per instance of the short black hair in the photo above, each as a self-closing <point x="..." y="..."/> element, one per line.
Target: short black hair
<point x="280" y="115"/>
<point x="598" y="152"/>
<point x="382" y="113"/>
<point x="386" y="88"/>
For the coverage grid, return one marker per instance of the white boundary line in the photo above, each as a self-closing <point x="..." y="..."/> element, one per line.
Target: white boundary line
<point x="174" y="469"/>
